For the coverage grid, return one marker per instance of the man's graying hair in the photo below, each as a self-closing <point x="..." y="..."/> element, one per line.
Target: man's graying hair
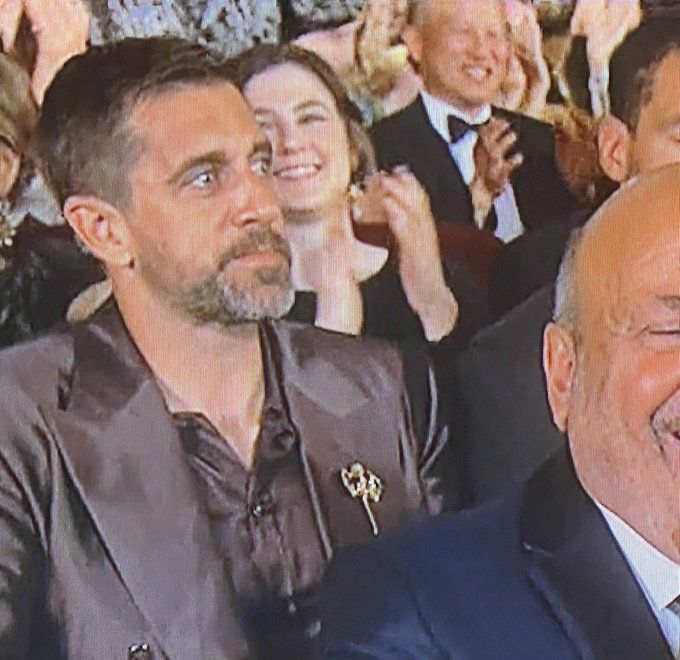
<point x="565" y="309"/>
<point x="83" y="137"/>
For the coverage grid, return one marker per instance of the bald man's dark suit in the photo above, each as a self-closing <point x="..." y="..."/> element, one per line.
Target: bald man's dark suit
<point x="536" y="575"/>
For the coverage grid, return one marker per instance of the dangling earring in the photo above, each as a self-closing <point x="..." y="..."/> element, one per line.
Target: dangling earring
<point x="353" y="195"/>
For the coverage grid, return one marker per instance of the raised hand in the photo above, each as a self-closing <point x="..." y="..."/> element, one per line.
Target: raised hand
<point x="55" y="46"/>
<point x="407" y="209"/>
<point x="493" y="165"/>
<point x="10" y="15"/>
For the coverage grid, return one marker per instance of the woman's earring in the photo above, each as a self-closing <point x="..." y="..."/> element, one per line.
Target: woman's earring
<point x="354" y="194"/>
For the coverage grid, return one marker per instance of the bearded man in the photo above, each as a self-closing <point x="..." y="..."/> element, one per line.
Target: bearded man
<point x="181" y="467"/>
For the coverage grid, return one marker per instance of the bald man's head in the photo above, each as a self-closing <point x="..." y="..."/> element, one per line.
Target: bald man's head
<point x="612" y="359"/>
<point x="646" y="211"/>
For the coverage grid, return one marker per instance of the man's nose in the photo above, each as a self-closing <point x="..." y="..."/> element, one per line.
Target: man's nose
<point x="260" y="204"/>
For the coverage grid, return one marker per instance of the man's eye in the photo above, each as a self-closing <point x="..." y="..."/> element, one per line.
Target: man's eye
<point x="262" y="166"/>
<point x="203" y="180"/>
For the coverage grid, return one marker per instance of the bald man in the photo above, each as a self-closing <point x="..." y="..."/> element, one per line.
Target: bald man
<point x="584" y="560"/>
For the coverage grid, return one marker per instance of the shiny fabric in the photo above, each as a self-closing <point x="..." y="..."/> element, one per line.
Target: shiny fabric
<point x="105" y="539"/>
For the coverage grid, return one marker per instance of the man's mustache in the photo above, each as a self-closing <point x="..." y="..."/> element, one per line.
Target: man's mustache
<point x="255" y="241"/>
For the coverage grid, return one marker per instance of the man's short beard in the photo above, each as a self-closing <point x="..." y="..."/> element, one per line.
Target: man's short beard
<point x="268" y="293"/>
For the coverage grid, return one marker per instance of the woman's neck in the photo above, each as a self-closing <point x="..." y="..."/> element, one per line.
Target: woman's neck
<point x="324" y="247"/>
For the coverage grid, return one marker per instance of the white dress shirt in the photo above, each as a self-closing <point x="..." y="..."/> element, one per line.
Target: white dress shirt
<point x="657" y="575"/>
<point x="438" y="111"/>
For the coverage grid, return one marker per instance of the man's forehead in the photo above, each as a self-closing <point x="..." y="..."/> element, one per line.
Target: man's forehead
<point x="194" y="117"/>
<point x="630" y="253"/>
<point x="190" y="103"/>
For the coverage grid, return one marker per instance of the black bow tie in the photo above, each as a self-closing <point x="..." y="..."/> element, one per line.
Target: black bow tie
<point x="459" y="127"/>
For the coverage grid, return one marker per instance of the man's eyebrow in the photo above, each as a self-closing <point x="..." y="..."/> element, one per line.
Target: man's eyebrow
<point x="209" y="158"/>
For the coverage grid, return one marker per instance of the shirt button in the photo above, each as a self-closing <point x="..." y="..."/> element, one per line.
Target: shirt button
<point x="257" y="510"/>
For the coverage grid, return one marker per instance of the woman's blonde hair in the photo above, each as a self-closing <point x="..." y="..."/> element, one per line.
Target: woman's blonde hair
<point x="18" y="110"/>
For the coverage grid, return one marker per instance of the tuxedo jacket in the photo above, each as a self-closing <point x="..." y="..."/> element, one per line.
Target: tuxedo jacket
<point x="535" y="575"/>
<point x="408" y="138"/>
<point x="105" y="550"/>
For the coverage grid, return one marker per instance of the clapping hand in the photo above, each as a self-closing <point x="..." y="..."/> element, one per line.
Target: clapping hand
<point x="494" y="163"/>
<point x="407" y="210"/>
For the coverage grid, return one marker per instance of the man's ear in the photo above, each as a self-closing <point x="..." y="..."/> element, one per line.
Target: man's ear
<point x="10" y="162"/>
<point x="101" y="227"/>
<point x="559" y="365"/>
<point x="614" y="145"/>
<point x="412" y="37"/>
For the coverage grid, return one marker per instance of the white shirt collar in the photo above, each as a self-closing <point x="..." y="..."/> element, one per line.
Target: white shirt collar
<point x="438" y="112"/>
<point x="658" y="575"/>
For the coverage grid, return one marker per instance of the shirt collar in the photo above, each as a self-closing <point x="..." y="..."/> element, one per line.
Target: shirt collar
<point x="658" y="575"/>
<point x="273" y="398"/>
<point x="438" y="112"/>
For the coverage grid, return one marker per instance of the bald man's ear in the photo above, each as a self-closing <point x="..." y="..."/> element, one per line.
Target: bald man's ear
<point x="101" y="227"/>
<point x="614" y="145"/>
<point x="559" y="365"/>
<point x="412" y="37"/>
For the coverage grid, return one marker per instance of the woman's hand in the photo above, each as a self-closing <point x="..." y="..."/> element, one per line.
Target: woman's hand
<point x="407" y="208"/>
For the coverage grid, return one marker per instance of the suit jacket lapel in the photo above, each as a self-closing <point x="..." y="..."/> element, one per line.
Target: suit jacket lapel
<point x="122" y="450"/>
<point x="434" y="166"/>
<point x="575" y="563"/>
<point x="327" y="405"/>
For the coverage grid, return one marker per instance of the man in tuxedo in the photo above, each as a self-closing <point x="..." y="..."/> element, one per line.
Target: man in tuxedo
<point x="584" y="560"/>
<point x="180" y="467"/>
<point x="502" y="426"/>
<point x="461" y="50"/>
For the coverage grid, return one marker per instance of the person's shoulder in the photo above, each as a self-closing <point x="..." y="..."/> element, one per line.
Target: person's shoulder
<point x="474" y="546"/>
<point x="32" y="375"/>
<point x="362" y="352"/>
<point x="33" y="368"/>
<point x="397" y="121"/>
<point x="521" y="326"/>
<point x="534" y="134"/>
<point x="462" y="535"/>
<point x="524" y="122"/>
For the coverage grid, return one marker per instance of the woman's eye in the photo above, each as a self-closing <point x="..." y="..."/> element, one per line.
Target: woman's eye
<point x="311" y="118"/>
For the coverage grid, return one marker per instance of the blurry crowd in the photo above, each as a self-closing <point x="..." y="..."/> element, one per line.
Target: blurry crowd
<point x="435" y="164"/>
<point x="558" y="71"/>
